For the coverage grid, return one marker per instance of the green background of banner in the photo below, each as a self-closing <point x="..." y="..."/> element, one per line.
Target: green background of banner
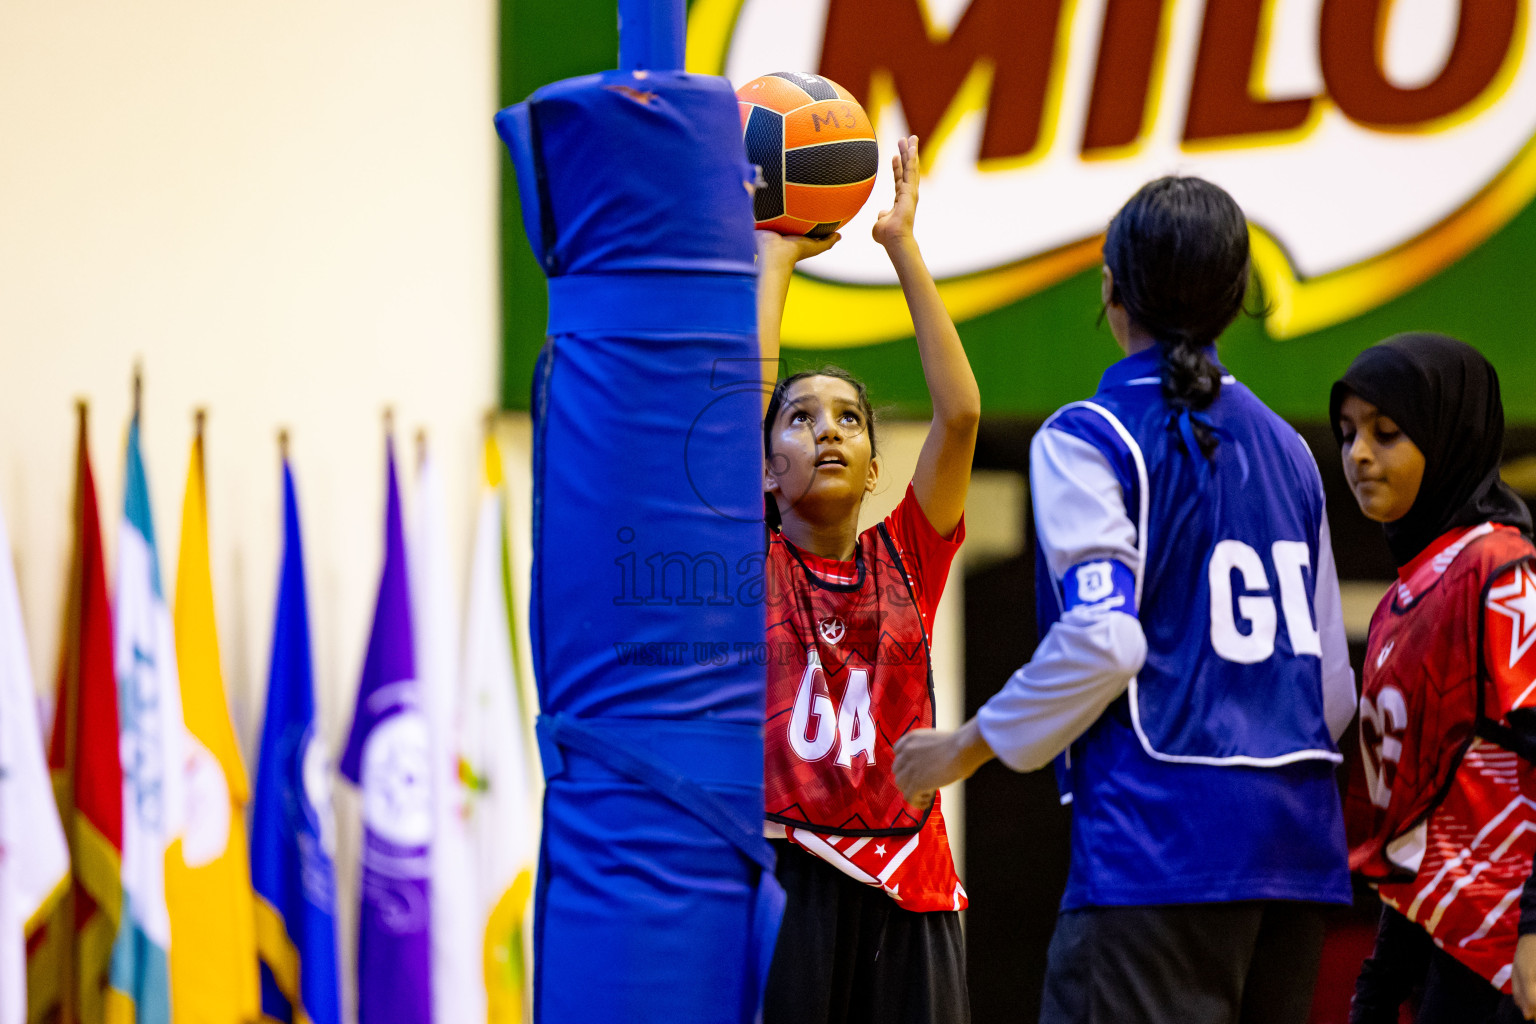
<point x="1044" y="350"/>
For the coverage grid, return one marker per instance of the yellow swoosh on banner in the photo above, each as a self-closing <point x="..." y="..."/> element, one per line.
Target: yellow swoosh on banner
<point x="829" y="314"/>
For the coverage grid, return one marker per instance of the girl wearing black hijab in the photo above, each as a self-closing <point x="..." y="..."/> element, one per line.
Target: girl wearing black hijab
<point x="1442" y="816"/>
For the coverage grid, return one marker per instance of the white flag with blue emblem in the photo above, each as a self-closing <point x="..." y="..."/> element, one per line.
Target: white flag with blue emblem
<point x="152" y="747"/>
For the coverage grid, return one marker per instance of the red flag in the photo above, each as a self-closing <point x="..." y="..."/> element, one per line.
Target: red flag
<point x="69" y="958"/>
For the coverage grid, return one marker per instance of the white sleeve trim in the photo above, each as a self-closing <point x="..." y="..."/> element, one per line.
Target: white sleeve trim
<point x="1339" y="699"/>
<point x="1080" y="512"/>
<point x="1087" y="658"/>
<point x="1079" y="669"/>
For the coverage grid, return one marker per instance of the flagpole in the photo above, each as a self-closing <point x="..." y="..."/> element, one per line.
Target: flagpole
<point x="70" y="983"/>
<point x="199" y="418"/>
<point x="138" y="388"/>
<point x="282" y="443"/>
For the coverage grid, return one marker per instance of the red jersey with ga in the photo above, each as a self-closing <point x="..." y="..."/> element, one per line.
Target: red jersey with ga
<point x="1445" y="819"/>
<point x="849" y="674"/>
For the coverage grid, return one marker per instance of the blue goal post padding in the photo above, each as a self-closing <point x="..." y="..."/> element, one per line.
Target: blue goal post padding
<point x="656" y="899"/>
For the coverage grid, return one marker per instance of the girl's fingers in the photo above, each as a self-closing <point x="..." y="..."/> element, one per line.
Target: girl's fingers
<point x="905" y="167"/>
<point x="817" y="246"/>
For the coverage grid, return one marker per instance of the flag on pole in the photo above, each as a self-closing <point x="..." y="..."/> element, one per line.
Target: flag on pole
<point x="207" y="876"/>
<point x="34" y="862"/>
<point x="153" y="757"/>
<point x="294" y="836"/>
<point x="499" y="809"/>
<point x="68" y="960"/>
<point x="458" y="994"/>
<point x="388" y="754"/>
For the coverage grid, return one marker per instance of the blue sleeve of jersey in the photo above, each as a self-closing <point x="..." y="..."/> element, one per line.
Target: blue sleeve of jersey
<point x="1102" y="585"/>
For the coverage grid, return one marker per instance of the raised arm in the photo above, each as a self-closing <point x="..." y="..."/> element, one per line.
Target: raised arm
<point x="776" y="258"/>
<point x="943" y="474"/>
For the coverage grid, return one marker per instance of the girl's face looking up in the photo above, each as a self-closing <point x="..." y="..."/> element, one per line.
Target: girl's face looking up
<point x="1383" y="467"/>
<point x="820" y="462"/>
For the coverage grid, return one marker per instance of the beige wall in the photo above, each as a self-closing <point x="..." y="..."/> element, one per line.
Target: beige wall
<point x="286" y="212"/>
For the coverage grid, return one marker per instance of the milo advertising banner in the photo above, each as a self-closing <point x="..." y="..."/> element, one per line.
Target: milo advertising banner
<point x="1383" y="150"/>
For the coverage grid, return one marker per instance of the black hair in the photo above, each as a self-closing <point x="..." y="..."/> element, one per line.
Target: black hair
<point x="776" y="402"/>
<point x="1178" y="253"/>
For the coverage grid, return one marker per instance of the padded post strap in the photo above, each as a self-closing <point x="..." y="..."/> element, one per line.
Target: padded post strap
<point x="610" y="743"/>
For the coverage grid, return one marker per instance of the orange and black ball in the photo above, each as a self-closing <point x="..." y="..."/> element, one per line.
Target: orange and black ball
<point x="816" y="149"/>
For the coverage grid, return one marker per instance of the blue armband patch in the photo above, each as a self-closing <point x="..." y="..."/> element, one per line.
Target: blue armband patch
<point x="1103" y="585"/>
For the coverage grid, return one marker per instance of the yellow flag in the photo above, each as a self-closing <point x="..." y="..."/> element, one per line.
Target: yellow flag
<point x="207" y="873"/>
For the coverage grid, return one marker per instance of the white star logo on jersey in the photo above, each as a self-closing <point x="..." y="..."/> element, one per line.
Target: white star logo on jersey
<point x="1517" y="601"/>
<point x="879" y="849"/>
<point x="831" y="629"/>
<point x="1381" y="659"/>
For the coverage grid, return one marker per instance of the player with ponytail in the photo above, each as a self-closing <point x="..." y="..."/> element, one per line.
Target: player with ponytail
<point x="1179" y="287"/>
<point x="1192" y="675"/>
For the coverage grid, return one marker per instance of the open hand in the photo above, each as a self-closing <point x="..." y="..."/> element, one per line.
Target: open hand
<point x="784" y="251"/>
<point x="895" y="225"/>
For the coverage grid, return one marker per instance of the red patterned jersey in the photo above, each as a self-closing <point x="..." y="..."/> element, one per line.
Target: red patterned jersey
<point x="850" y="674"/>
<point x="1446" y="819"/>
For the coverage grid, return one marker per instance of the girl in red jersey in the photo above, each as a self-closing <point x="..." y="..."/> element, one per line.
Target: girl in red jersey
<point x="871" y="930"/>
<point x="1443" y="816"/>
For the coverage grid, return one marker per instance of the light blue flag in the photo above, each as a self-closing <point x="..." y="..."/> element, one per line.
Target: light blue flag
<point x="389" y="755"/>
<point x="293" y="833"/>
<point x="152" y="749"/>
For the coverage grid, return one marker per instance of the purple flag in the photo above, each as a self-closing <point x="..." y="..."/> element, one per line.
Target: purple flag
<point x="387" y="755"/>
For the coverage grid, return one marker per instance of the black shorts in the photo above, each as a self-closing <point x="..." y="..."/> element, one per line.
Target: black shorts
<point x="1197" y="963"/>
<point x="1406" y="963"/>
<point x="847" y="952"/>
